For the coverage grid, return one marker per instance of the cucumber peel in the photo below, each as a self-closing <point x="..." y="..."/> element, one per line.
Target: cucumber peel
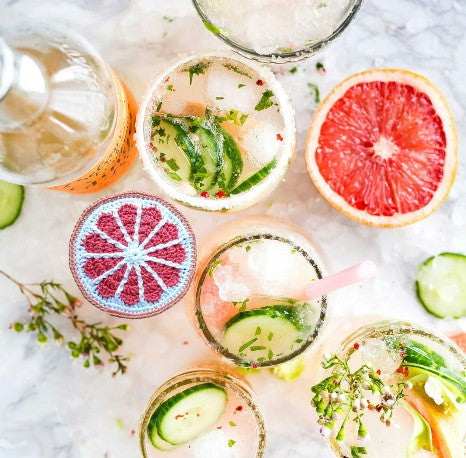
<point x="187" y="415"/>
<point x="418" y="356"/>
<point x="255" y="179"/>
<point x="441" y="285"/>
<point x="422" y="432"/>
<point x="11" y="203"/>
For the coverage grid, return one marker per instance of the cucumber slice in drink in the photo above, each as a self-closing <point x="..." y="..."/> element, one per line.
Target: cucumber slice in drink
<point x="188" y="414"/>
<point x="232" y="157"/>
<point x="207" y="174"/>
<point x="11" y="202"/>
<point x="155" y="439"/>
<point x="254" y="179"/>
<point x="261" y="334"/>
<point x="421" y="358"/>
<point x="441" y="285"/>
<point x="177" y="154"/>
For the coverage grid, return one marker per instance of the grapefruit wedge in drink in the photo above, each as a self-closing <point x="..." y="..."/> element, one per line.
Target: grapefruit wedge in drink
<point x="382" y="148"/>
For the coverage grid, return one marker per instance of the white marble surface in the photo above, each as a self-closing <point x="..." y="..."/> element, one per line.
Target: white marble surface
<point x="53" y="408"/>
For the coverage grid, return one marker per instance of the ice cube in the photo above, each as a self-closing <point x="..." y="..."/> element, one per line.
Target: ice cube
<point x="225" y="92"/>
<point x="376" y="352"/>
<point x="271" y="265"/>
<point x="232" y="286"/>
<point x="212" y="445"/>
<point x="261" y="142"/>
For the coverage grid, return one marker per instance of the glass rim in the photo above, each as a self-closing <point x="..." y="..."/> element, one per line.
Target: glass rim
<point x="213" y="342"/>
<point x="203" y="374"/>
<point x="283" y="57"/>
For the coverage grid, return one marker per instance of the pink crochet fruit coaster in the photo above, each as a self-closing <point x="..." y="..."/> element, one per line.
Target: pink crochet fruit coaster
<point x="132" y="254"/>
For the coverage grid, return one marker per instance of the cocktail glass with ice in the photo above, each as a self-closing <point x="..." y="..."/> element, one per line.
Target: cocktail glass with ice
<point x="248" y="297"/>
<point x="216" y="132"/>
<point x="277" y="30"/>
<point x="206" y="412"/>
<point x="393" y="389"/>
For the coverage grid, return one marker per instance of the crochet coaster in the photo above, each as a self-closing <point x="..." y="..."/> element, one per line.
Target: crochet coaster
<point x="132" y="255"/>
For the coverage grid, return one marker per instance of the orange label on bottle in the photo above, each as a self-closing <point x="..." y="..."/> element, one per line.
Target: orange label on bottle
<point x="120" y="154"/>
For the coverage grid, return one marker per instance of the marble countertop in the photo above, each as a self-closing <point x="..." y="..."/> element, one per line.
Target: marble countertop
<point x="53" y="407"/>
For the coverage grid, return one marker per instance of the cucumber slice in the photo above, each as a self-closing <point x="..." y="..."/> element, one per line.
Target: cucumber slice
<point x="441" y="285"/>
<point x="177" y="152"/>
<point x="188" y="414"/>
<point x="422" y="358"/>
<point x="254" y="179"/>
<point x="232" y="157"/>
<point x="260" y="334"/>
<point x="11" y="202"/>
<point x="155" y="439"/>
<point x="208" y="148"/>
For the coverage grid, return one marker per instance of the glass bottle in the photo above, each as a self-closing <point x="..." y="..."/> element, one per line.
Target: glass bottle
<point x="66" y="119"/>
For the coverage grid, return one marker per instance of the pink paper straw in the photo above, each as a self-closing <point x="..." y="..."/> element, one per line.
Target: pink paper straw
<point x="363" y="271"/>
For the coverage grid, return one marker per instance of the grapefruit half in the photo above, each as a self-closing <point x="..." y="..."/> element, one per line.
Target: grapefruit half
<point x="382" y="147"/>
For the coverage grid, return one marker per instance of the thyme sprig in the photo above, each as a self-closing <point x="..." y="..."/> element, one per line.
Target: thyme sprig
<point x="49" y="298"/>
<point x="345" y="395"/>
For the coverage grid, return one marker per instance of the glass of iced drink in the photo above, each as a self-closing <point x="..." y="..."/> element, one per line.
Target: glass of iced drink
<point x="207" y="412"/>
<point x="248" y="294"/>
<point x="216" y="132"/>
<point x="277" y="30"/>
<point x="393" y="389"/>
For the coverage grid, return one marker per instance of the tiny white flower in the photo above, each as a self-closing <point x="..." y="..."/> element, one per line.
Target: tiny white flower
<point x="408" y="385"/>
<point x="364" y="403"/>
<point x="333" y="397"/>
<point x="341" y="398"/>
<point x="386" y="389"/>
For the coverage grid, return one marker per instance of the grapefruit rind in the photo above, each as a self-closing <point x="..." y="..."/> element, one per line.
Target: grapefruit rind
<point x="442" y="109"/>
<point x="115" y="305"/>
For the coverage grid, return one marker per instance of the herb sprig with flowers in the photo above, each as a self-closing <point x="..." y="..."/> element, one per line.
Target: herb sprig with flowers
<point x="344" y="394"/>
<point x="46" y="299"/>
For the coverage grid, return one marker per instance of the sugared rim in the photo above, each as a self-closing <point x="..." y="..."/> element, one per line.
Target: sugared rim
<point x="442" y="109"/>
<point x="72" y="261"/>
<point x="235" y="202"/>
<point x="202" y="375"/>
<point x="284" y="57"/>
<point x="263" y="233"/>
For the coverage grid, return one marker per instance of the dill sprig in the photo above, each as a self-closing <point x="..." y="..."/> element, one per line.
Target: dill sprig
<point x="49" y="298"/>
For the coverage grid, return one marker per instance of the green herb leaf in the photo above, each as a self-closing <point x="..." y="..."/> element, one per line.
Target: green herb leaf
<point x="265" y="101"/>
<point x="173" y="165"/>
<point x="213" y="266"/>
<point x="197" y="69"/>
<point x="247" y="344"/>
<point x="168" y="19"/>
<point x="315" y="91"/>
<point x="236" y="69"/>
<point x="320" y="67"/>
<point x="231" y="442"/>
<point x="240" y="85"/>
<point x="356" y="452"/>
<point x="270" y="336"/>
<point x="258" y="331"/>
<point x="170" y="87"/>
<point x="232" y="423"/>
<point x="212" y="28"/>
<point x="174" y="176"/>
<point x="293" y="70"/>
